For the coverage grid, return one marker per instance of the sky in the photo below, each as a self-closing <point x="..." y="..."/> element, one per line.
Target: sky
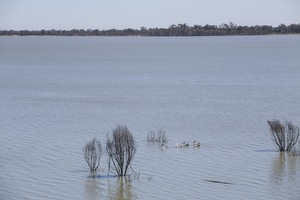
<point x="121" y="14"/>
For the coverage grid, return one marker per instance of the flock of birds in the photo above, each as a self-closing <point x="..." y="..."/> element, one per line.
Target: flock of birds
<point x="182" y="145"/>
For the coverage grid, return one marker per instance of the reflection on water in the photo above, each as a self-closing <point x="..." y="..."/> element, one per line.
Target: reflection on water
<point x="284" y="168"/>
<point x="93" y="187"/>
<point x="121" y="189"/>
<point x="278" y="169"/>
<point x="292" y="167"/>
<point x="284" y="176"/>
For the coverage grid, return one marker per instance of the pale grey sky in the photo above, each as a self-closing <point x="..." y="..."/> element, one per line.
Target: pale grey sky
<point x="120" y="14"/>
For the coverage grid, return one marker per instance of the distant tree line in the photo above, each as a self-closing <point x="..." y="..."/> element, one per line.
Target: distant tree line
<point x="173" y="30"/>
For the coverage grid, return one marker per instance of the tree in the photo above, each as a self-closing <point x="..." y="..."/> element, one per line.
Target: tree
<point x="285" y="135"/>
<point x="92" y="153"/>
<point x="120" y="149"/>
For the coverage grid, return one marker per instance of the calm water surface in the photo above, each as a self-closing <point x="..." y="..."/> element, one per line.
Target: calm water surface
<point x="56" y="93"/>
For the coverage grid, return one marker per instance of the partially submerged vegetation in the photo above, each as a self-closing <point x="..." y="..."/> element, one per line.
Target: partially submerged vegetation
<point x="159" y="136"/>
<point x="285" y="135"/>
<point x="92" y="153"/>
<point x="172" y="30"/>
<point x="120" y="148"/>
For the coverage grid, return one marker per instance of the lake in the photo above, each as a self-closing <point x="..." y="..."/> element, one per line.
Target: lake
<point x="57" y="93"/>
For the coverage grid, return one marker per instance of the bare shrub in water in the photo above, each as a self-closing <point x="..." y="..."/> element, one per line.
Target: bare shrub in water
<point x="284" y="134"/>
<point x="151" y="136"/>
<point x="160" y="136"/>
<point x="296" y="150"/>
<point x="92" y="153"/>
<point x="120" y="149"/>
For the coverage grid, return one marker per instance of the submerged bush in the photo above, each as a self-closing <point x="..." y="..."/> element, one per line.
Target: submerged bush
<point x="92" y="153"/>
<point x="284" y="134"/>
<point x="296" y="150"/>
<point x="120" y="148"/>
<point x="160" y="136"/>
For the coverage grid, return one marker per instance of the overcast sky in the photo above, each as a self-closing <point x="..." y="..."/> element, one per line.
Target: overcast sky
<point x="121" y="14"/>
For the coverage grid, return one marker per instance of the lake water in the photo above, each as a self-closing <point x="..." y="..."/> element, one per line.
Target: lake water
<point x="57" y="93"/>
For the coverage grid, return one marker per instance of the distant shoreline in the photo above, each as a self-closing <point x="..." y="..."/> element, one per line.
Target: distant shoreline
<point x="230" y="29"/>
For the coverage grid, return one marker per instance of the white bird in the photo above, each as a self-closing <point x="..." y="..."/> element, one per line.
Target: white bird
<point x="164" y="146"/>
<point x="196" y="144"/>
<point x="178" y="145"/>
<point x="185" y="144"/>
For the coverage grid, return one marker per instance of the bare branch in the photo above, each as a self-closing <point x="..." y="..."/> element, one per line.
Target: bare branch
<point x="92" y="153"/>
<point x="161" y="136"/>
<point x="285" y="135"/>
<point x="120" y="149"/>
